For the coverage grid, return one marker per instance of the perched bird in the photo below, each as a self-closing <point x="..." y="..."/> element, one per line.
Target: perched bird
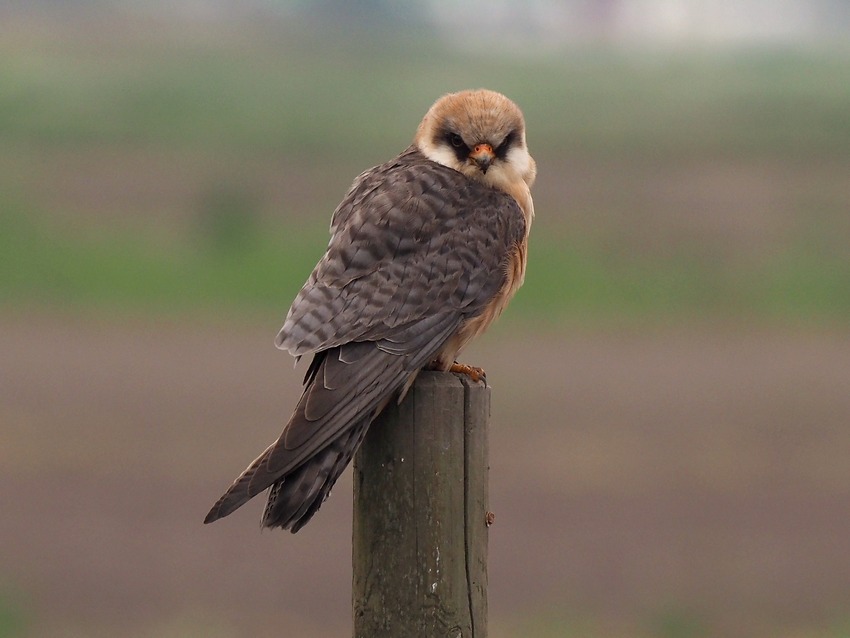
<point x="426" y="251"/>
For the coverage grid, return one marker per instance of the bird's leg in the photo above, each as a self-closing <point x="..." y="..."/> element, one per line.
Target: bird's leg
<point x="474" y="373"/>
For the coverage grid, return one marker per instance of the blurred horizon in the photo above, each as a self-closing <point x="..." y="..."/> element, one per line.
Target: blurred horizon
<point x="545" y="24"/>
<point x="191" y="125"/>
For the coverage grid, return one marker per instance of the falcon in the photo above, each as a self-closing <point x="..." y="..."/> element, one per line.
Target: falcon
<point x="425" y="252"/>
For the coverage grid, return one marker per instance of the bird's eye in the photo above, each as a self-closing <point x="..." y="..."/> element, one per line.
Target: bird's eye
<point x="459" y="147"/>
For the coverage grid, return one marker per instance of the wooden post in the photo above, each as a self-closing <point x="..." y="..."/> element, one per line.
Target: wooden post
<point x="420" y="514"/>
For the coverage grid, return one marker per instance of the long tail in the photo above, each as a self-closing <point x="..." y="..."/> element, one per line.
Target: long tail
<point x="346" y="388"/>
<point x="298" y="495"/>
<point x="293" y="500"/>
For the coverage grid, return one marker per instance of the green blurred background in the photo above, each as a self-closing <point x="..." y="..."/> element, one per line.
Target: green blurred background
<point x="671" y="386"/>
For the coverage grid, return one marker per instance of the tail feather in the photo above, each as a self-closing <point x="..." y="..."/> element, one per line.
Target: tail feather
<point x="321" y="438"/>
<point x="240" y="492"/>
<point x="345" y="388"/>
<point x="294" y="500"/>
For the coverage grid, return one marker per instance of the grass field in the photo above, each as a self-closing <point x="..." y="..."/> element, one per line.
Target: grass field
<point x="170" y="173"/>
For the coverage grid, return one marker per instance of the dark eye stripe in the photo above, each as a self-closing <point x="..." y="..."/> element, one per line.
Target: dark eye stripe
<point x="456" y="143"/>
<point x="505" y="146"/>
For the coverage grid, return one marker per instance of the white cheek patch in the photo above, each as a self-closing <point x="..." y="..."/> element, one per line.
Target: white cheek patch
<point x="440" y="154"/>
<point x="519" y="159"/>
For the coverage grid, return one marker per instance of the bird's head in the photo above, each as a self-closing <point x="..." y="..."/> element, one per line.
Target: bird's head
<point x="481" y="134"/>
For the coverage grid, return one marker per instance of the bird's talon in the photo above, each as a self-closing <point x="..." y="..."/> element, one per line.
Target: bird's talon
<point x="473" y="372"/>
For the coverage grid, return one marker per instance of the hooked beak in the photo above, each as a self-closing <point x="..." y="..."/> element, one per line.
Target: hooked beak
<point x="483" y="156"/>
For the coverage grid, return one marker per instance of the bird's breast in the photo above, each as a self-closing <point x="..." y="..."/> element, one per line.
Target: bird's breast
<point x="470" y="329"/>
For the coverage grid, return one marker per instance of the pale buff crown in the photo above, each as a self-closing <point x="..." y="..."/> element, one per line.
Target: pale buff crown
<point x="459" y="122"/>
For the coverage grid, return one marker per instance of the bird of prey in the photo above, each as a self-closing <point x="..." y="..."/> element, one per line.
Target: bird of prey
<point x="425" y="252"/>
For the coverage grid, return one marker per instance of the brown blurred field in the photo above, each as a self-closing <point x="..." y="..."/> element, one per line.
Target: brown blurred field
<point x="671" y="390"/>
<point x="689" y="482"/>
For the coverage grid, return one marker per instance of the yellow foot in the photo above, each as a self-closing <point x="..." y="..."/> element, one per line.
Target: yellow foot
<point x="476" y="374"/>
